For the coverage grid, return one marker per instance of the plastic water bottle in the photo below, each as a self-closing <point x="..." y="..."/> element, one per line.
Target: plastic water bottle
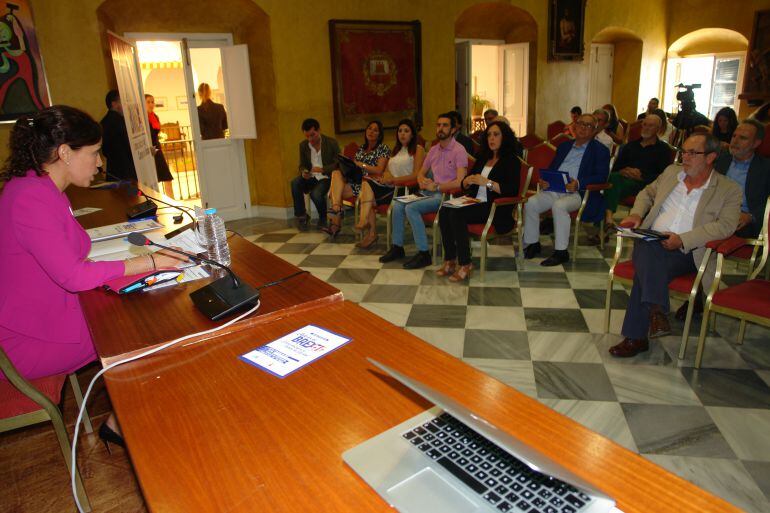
<point x="212" y="231"/>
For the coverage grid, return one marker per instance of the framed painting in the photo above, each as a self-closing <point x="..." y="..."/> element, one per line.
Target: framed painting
<point x="23" y="86"/>
<point x="566" y="19"/>
<point x="756" y="80"/>
<point x="376" y="73"/>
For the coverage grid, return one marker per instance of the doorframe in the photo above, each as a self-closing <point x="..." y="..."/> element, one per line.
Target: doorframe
<point x="227" y="40"/>
<point x="524" y="81"/>
<point x="592" y="65"/>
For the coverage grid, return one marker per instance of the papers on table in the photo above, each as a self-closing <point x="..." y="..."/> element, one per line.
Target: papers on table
<point x="409" y="198"/>
<point x="114" y="231"/>
<point x="186" y="241"/>
<point x="462" y="201"/>
<point x="85" y="210"/>
<point x="121" y="249"/>
<point x="295" y="350"/>
<point x="557" y="180"/>
<point x="196" y="272"/>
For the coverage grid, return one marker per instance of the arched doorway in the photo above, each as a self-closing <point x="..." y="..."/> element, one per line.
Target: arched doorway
<point x="504" y="40"/>
<point x="617" y="52"/>
<point x="714" y="58"/>
<point x="249" y="25"/>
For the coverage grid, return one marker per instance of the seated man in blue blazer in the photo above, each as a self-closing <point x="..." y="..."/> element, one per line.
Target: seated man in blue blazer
<point x="588" y="162"/>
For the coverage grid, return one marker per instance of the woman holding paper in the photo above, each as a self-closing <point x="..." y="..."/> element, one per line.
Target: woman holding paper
<point x="495" y="174"/>
<point x="43" y="249"/>
<point x="371" y="159"/>
<point x="404" y="163"/>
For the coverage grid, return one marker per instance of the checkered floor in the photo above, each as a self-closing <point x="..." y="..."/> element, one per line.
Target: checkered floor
<point x="540" y="331"/>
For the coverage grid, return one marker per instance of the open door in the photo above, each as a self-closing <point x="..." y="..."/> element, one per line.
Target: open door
<point x="463" y="80"/>
<point x="229" y="108"/>
<point x="514" y="85"/>
<point x="128" y="76"/>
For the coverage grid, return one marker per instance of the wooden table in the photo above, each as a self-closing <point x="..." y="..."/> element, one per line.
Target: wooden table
<point x="123" y="325"/>
<point x="208" y="432"/>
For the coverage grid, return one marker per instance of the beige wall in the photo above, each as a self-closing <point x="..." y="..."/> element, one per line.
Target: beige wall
<point x="291" y="61"/>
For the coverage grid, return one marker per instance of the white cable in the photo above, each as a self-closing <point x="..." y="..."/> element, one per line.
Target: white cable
<point x="121" y="362"/>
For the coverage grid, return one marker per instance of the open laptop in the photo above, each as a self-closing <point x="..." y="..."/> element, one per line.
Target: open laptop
<point x="450" y="460"/>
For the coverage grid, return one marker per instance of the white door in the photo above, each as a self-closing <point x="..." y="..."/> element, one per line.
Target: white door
<point x="514" y="84"/>
<point x="221" y="159"/>
<point x="463" y="80"/>
<point x="600" y="75"/>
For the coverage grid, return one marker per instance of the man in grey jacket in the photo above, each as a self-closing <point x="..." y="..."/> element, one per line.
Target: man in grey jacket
<point x="692" y="205"/>
<point x="317" y="159"/>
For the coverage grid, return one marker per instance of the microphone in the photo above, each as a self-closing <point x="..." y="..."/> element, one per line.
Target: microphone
<point x="133" y="190"/>
<point x="219" y="298"/>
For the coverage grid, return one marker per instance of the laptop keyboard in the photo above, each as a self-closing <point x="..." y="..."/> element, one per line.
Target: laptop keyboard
<point x="499" y="478"/>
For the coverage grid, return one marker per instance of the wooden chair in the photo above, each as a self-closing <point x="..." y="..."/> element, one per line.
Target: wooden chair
<point x="24" y="403"/>
<point x="554" y="129"/>
<point x="634" y="131"/>
<point x="487" y="232"/>
<point x="682" y="287"/>
<point x="748" y="301"/>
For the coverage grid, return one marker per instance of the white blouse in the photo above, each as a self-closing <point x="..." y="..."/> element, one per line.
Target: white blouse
<point x="401" y="164"/>
<point x="482" y="194"/>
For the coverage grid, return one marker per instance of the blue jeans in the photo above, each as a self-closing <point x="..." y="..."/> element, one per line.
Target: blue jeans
<point x="413" y="212"/>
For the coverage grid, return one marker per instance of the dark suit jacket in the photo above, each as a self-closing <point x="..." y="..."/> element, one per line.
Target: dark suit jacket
<point x="465" y="141"/>
<point x="594" y="168"/>
<point x="329" y="151"/>
<point x="506" y="173"/>
<point x="757" y="188"/>
<point x="213" y="120"/>
<point x="115" y="146"/>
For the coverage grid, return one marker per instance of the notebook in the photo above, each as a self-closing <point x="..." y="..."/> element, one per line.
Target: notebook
<point x="448" y="459"/>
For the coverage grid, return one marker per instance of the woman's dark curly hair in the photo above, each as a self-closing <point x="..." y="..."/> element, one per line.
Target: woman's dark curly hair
<point x="508" y="145"/>
<point x="35" y="139"/>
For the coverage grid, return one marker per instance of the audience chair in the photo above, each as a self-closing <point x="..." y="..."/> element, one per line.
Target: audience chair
<point x="555" y="128"/>
<point x="529" y="141"/>
<point x="634" y="131"/>
<point x="387" y="210"/>
<point x="682" y="287"/>
<point x="577" y="215"/>
<point x="350" y="201"/>
<point x="421" y="140"/>
<point x="486" y="232"/>
<point x="749" y="249"/>
<point x="24" y="403"/>
<point x="748" y="301"/>
<point x="540" y="156"/>
<point x="559" y="138"/>
<point x="622" y="122"/>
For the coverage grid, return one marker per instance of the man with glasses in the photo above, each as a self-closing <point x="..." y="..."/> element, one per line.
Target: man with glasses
<point x="692" y="206"/>
<point x="602" y="118"/>
<point x="587" y="162"/>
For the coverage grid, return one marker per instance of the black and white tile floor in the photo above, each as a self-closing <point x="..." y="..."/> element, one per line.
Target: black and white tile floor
<point x="540" y="330"/>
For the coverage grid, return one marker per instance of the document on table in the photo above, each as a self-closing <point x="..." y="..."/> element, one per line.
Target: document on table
<point x="85" y="210"/>
<point x="295" y="350"/>
<point x="196" y="272"/>
<point x="121" y="249"/>
<point x="186" y="241"/>
<point x="113" y="231"/>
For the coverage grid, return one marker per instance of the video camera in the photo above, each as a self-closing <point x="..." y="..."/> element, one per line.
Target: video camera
<point x="687" y="95"/>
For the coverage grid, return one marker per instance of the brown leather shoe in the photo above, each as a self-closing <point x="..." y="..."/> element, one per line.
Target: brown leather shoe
<point x="659" y="325"/>
<point x="630" y="347"/>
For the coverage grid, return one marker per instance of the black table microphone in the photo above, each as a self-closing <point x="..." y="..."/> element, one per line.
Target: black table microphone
<point x="219" y="298"/>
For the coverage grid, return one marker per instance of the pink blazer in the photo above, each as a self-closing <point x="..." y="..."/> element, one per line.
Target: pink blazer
<point x="43" y="265"/>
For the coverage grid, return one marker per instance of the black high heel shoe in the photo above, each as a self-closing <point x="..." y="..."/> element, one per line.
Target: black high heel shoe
<point x="108" y="436"/>
<point x="335" y="223"/>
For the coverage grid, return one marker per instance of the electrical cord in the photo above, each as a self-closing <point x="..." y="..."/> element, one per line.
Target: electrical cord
<point x="127" y="360"/>
<point x="281" y="280"/>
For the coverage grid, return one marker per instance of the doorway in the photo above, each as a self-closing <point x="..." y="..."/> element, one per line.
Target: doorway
<point x="202" y="89"/>
<point x="600" y="74"/>
<point x="492" y="75"/>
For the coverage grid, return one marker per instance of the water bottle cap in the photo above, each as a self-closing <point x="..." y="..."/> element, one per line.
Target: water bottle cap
<point x="210" y="211"/>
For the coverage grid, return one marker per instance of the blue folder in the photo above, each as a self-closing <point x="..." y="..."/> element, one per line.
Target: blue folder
<point x="557" y="180"/>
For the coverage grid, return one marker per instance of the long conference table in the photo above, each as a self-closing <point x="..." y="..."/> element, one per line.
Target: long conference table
<point x="207" y="432"/>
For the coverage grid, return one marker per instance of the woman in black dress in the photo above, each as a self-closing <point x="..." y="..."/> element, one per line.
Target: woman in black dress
<point x="164" y="173"/>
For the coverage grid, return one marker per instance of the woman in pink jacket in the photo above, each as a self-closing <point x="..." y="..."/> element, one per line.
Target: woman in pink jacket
<point x="43" y="249"/>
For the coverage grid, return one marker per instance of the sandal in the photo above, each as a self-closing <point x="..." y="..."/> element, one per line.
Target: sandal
<point x="447" y="269"/>
<point x="335" y="222"/>
<point x="368" y="241"/>
<point x="462" y="274"/>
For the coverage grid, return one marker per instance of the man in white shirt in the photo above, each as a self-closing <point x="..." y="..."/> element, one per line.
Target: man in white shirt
<point x="317" y="159"/>
<point x="602" y="118"/>
<point x="693" y="206"/>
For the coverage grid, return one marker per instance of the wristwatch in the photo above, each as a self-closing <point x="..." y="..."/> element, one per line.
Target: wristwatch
<point x="489" y="185"/>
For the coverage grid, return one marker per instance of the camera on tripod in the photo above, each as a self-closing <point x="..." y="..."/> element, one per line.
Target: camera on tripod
<point x="687" y="95"/>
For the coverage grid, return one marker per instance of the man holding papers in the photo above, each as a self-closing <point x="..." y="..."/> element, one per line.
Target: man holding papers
<point x="587" y="162"/>
<point x="693" y="206"/>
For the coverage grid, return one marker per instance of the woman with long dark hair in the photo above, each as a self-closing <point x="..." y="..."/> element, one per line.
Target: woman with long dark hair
<point x="614" y="129"/>
<point x="371" y="158"/>
<point x="404" y="163"/>
<point x="44" y="250"/>
<point x="725" y="123"/>
<point x="495" y="174"/>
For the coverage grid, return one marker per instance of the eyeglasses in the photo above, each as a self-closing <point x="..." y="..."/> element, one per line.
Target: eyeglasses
<point x="691" y="153"/>
<point x="585" y="124"/>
